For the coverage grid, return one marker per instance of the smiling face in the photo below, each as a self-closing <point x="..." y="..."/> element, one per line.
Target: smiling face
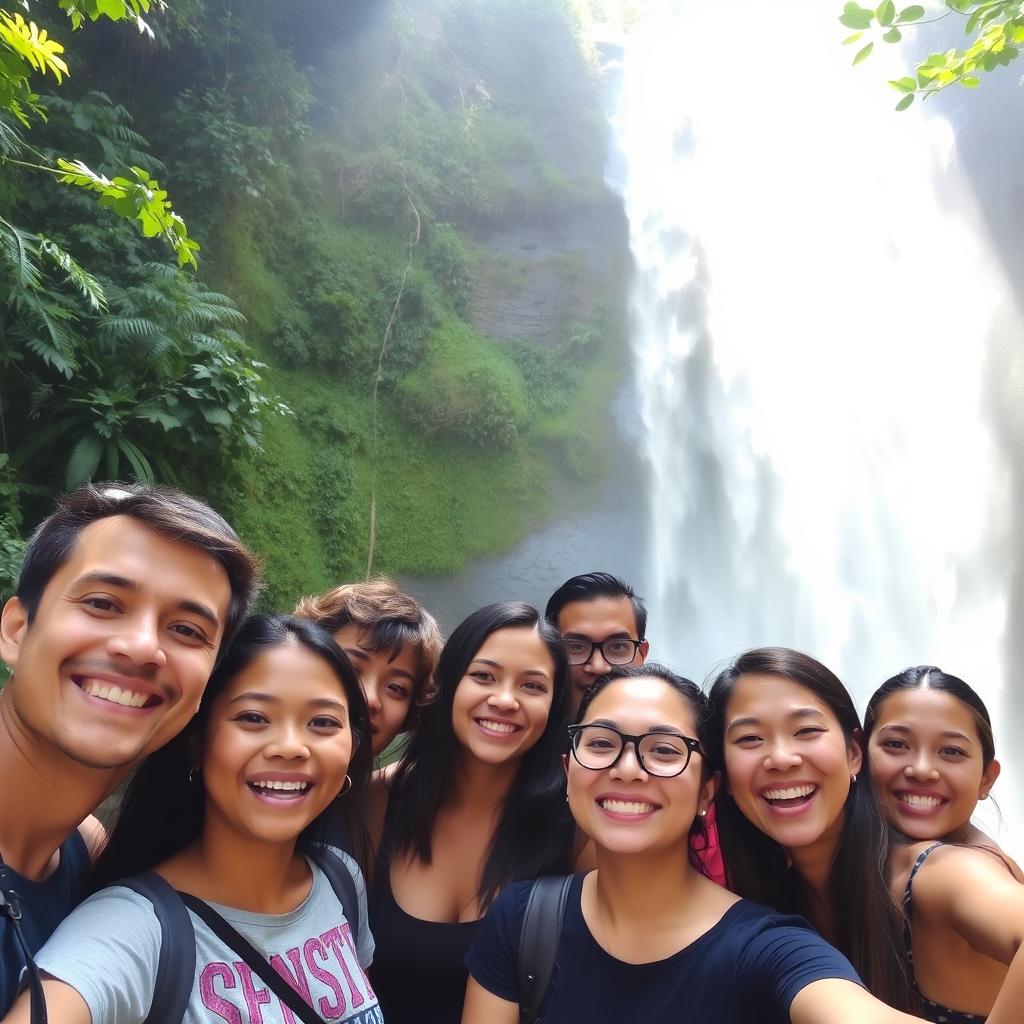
<point x="121" y="646"/>
<point x="787" y="761"/>
<point x="503" y="700"/>
<point x="389" y="681"/>
<point x="926" y="759"/>
<point x="603" y="618"/>
<point x="622" y="808"/>
<point x="277" y="745"/>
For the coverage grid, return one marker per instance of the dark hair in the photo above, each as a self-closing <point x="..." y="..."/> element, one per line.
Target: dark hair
<point x="922" y="677"/>
<point x="534" y="833"/>
<point x="390" y="618"/>
<point x="866" y="920"/>
<point x="589" y="587"/>
<point x="172" y="514"/>
<point x="162" y="811"/>
<point x="695" y="699"/>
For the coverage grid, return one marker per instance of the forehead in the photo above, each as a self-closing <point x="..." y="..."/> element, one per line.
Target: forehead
<point x="600" y="618"/>
<point x="517" y="646"/>
<point x="121" y="546"/>
<point x="407" y="658"/>
<point x="638" y="703"/>
<point x="771" y="698"/>
<point x="289" y="672"/>
<point x="926" y="711"/>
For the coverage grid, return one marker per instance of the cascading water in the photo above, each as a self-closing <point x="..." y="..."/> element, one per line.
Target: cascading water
<point x="816" y="310"/>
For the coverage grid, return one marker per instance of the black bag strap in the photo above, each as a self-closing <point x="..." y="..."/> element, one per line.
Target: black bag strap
<point x="254" y="958"/>
<point x="176" y="968"/>
<point x="342" y="882"/>
<point x="538" y="943"/>
<point x="11" y="906"/>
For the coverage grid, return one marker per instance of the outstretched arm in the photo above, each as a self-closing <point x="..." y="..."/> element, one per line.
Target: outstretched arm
<point x="63" y="1005"/>
<point x="483" y="1007"/>
<point x="837" y="1001"/>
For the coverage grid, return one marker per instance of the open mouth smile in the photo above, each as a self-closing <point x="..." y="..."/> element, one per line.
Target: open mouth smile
<point x="795" y="797"/>
<point x="120" y="696"/>
<point x="497" y="727"/>
<point x="919" y="803"/>
<point x="280" y="791"/>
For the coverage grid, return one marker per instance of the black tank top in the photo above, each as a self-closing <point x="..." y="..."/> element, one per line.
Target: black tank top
<point x="417" y="971"/>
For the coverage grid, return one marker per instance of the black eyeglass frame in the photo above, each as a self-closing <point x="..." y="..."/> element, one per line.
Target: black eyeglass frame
<point x="692" y="747"/>
<point x="598" y="645"/>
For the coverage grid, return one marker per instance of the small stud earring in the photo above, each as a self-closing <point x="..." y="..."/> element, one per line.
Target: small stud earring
<point x="984" y="796"/>
<point x="704" y="813"/>
<point x="853" y="777"/>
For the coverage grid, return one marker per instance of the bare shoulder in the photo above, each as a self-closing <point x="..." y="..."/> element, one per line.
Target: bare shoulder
<point x="94" y="834"/>
<point x="979" y="840"/>
<point x="953" y="872"/>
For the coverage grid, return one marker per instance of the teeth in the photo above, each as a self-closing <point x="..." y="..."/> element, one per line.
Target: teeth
<point x="920" y="801"/>
<point x="291" y="787"/>
<point x="627" y="806"/>
<point x="501" y="727"/>
<point x="789" y="794"/>
<point x="108" y="691"/>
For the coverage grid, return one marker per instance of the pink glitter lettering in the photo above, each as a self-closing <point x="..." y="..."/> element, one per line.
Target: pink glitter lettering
<point x="211" y="1000"/>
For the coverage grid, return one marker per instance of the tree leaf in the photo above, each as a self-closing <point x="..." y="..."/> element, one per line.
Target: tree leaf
<point x="863" y="53"/>
<point x="84" y="460"/>
<point x="856" y="17"/>
<point x="852" y="39"/>
<point x="894" y="35"/>
<point x="971" y="81"/>
<point x="905" y="102"/>
<point x="885" y="13"/>
<point x="904" y="84"/>
<point x="912" y="13"/>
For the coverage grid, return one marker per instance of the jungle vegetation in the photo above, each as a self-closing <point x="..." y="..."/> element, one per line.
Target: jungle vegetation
<point x="306" y="353"/>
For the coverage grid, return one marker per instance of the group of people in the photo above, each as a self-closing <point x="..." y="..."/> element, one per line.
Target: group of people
<point x="336" y="814"/>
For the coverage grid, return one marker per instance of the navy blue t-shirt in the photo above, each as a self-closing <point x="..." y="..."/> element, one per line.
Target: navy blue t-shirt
<point x="43" y="906"/>
<point x="748" y="967"/>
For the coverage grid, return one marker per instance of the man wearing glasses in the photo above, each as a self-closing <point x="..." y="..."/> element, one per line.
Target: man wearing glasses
<point x="602" y="622"/>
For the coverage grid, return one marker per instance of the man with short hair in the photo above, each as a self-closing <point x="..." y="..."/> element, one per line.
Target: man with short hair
<point x="127" y="595"/>
<point x="602" y="621"/>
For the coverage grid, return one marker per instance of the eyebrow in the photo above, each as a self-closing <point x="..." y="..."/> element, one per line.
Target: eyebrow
<point x="950" y="734"/>
<point x="795" y="713"/>
<point x="607" y="723"/>
<point x="111" y="579"/>
<point x="495" y="664"/>
<point x="363" y="653"/>
<point x="266" y="698"/>
<point x="621" y="634"/>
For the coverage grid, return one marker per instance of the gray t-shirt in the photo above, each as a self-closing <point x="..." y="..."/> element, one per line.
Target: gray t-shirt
<point x="108" y="949"/>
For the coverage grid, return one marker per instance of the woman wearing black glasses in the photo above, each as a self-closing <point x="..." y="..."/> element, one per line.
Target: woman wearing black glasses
<point x="647" y="936"/>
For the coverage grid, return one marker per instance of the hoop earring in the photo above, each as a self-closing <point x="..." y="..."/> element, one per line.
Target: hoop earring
<point x="193" y="775"/>
<point x="345" y="786"/>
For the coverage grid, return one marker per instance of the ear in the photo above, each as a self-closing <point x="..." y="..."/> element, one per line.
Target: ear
<point x="988" y="778"/>
<point x="13" y="626"/>
<point x="708" y="790"/>
<point x="641" y="652"/>
<point x="855" y="753"/>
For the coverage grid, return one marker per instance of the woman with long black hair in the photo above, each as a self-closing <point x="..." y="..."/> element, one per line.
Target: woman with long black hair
<point x="221" y="814"/>
<point x="477" y="802"/>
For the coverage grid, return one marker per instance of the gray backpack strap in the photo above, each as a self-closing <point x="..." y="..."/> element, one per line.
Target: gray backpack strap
<point x="342" y="882"/>
<point x="538" y="943"/>
<point x="176" y="970"/>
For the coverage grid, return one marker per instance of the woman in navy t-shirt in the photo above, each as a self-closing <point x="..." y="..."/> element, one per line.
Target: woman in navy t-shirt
<point x="646" y="937"/>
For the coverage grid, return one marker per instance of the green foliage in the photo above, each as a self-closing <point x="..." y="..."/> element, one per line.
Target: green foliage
<point x="466" y="390"/>
<point x="996" y="25"/>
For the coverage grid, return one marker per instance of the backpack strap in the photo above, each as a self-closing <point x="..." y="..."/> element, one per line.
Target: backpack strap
<point x="538" y="943"/>
<point x="176" y="968"/>
<point x="342" y="882"/>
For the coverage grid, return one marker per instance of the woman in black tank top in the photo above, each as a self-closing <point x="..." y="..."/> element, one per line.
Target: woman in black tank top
<point x="477" y="802"/>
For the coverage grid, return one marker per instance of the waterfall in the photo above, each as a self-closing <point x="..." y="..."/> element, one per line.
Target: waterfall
<point x="818" y="313"/>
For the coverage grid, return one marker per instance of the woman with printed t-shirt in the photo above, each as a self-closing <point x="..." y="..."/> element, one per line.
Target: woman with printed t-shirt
<point x="646" y="936"/>
<point x="281" y="732"/>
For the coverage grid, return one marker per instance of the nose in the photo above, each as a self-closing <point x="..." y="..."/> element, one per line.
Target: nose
<point x="596" y="665"/>
<point x="503" y="699"/>
<point x="781" y="757"/>
<point x="287" y="742"/>
<point x="921" y="767"/>
<point x="138" y="640"/>
<point x="627" y="767"/>
<point x="371" y="693"/>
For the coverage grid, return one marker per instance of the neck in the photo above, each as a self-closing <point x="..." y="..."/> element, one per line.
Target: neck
<point x="483" y="786"/>
<point x="243" y="872"/>
<point x="814" y="864"/>
<point x="46" y="795"/>
<point x="648" y="887"/>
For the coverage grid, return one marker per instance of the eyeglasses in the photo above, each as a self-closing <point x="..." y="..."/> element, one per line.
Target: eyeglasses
<point x="665" y="754"/>
<point x="617" y="651"/>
